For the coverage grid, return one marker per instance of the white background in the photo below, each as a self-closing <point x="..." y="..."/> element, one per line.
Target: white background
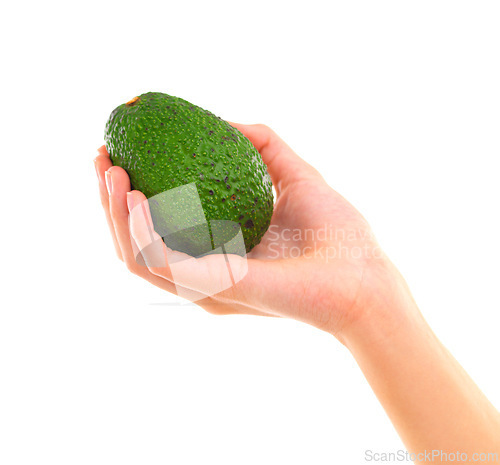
<point x="396" y="102"/>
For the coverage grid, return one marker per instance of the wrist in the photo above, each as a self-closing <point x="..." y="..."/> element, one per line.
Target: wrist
<point x="384" y="308"/>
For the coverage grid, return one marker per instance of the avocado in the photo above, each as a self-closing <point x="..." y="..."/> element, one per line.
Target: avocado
<point x="203" y="178"/>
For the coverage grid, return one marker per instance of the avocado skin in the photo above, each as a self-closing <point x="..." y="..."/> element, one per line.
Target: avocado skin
<point x="164" y="142"/>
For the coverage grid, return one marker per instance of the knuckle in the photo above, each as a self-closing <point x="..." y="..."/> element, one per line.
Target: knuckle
<point x="133" y="267"/>
<point x="264" y="127"/>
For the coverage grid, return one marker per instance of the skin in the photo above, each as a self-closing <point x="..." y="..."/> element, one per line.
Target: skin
<point x="320" y="263"/>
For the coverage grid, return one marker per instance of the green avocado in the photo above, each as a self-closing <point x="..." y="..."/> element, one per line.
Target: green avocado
<point x="205" y="182"/>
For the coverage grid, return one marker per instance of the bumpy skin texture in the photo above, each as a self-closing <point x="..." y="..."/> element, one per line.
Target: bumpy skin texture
<point x="164" y="142"/>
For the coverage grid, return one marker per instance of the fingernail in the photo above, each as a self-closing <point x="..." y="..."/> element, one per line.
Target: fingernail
<point x="130" y="201"/>
<point x="109" y="182"/>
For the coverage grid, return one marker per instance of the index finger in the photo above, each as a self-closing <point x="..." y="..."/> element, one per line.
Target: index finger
<point x="283" y="164"/>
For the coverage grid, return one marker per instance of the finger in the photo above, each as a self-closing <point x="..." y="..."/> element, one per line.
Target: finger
<point x="102" y="163"/>
<point x="209" y="275"/>
<point x="118" y="184"/>
<point x="149" y="243"/>
<point x="283" y="164"/>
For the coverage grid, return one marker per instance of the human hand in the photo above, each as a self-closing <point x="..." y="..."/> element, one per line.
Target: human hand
<point x="318" y="262"/>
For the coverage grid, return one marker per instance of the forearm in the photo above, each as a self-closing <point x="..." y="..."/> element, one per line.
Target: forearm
<point x="430" y="399"/>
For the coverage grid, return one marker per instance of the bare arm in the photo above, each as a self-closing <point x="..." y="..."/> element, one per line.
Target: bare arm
<point x="432" y="402"/>
<point x="337" y="280"/>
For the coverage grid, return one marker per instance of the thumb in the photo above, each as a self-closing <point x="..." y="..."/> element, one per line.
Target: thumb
<point x="283" y="164"/>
